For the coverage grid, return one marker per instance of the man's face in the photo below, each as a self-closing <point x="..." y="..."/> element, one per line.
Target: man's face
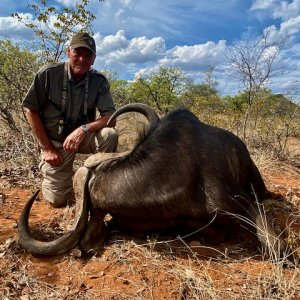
<point x="80" y="59"/>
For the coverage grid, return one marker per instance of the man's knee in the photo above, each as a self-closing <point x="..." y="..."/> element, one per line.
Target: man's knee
<point x="109" y="133"/>
<point x="107" y="140"/>
<point x="57" y="197"/>
<point x="57" y="181"/>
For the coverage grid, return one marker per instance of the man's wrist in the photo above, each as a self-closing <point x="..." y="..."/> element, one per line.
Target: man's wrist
<point x="85" y="128"/>
<point x="46" y="147"/>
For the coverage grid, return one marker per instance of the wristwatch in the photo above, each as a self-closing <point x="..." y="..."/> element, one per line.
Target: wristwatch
<point x="85" y="128"/>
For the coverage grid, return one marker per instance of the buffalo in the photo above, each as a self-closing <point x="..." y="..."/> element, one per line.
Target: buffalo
<point x="180" y="173"/>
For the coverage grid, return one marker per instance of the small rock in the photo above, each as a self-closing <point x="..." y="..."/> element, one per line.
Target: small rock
<point x="76" y="252"/>
<point x="195" y="243"/>
<point x="9" y="242"/>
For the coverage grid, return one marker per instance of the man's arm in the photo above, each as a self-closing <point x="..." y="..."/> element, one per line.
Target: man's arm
<point x="100" y="123"/>
<point x="51" y="155"/>
<point x="74" y="139"/>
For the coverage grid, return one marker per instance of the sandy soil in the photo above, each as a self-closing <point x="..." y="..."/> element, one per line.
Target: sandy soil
<point x="149" y="267"/>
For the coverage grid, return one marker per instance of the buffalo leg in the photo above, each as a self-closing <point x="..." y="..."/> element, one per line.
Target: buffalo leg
<point x="95" y="233"/>
<point x="272" y="240"/>
<point x="252" y="216"/>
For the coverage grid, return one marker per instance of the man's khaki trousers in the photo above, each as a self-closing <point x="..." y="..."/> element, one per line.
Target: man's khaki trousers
<point x="57" y="181"/>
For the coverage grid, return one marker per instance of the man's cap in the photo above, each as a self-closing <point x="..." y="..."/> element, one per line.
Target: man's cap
<point x="83" y="39"/>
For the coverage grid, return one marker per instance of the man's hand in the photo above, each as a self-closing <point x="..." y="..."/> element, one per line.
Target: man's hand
<point x="52" y="156"/>
<point x="73" y="140"/>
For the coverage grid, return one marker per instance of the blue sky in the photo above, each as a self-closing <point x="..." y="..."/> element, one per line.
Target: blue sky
<point x="135" y="36"/>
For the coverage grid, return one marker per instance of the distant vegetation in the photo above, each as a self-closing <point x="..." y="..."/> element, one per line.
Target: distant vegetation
<point x="271" y="119"/>
<point x="261" y="118"/>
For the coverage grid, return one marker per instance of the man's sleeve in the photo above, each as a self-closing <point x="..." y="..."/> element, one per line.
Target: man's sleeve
<point x="36" y="96"/>
<point x="105" y="102"/>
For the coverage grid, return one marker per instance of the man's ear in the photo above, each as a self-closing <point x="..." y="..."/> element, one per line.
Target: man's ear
<point x="68" y="52"/>
<point x="94" y="59"/>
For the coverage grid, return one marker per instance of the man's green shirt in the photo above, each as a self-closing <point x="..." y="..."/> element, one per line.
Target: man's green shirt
<point x="45" y="96"/>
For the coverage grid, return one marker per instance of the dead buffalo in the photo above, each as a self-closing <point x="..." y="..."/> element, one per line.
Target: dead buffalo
<point x="181" y="173"/>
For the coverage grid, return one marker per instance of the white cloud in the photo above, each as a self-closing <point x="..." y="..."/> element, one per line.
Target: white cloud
<point x="140" y="50"/>
<point x="110" y="43"/>
<point x="8" y="24"/>
<point x="10" y="27"/>
<point x="67" y="3"/>
<point x="196" y="56"/>
<point x="126" y="2"/>
<point x="140" y="73"/>
<point x="291" y="26"/>
<point x="193" y="60"/>
<point x="119" y="13"/>
<point x="286" y="10"/>
<point x="11" y="24"/>
<point x="270" y="52"/>
<point x="262" y="4"/>
<point x="278" y="9"/>
<point x="118" y="48"/>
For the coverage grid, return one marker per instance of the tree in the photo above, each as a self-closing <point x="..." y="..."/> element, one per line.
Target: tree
<point x="203" y="97"/>
<point x="17" y="67"/>
<point x="210" y="84"/>
<point x="54" y="26"/>
<point x="119" y="88"/>
<point x="253" y="62"/>
<point x="161" y="89"/>
<point x="237" y="103"/>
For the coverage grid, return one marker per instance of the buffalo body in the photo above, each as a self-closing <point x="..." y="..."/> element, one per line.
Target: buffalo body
<point x="181" y="172"/>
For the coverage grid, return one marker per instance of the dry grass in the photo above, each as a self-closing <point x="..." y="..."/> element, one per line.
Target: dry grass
<point x="179" y="267"/>
<point x="137" y="270"/>
<point x="152" y="267"/>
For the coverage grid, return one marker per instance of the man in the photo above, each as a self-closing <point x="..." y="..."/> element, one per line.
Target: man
<point x="61" y="110"/>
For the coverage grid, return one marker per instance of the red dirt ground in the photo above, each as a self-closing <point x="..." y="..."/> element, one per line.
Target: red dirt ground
<point x="132" y="267"/>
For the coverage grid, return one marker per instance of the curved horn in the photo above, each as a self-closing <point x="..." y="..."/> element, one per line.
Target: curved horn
<point x="144" y="109"/>
<point x="62" y="244"/>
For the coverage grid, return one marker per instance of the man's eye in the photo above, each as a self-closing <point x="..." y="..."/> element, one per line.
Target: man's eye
<point x="79" y="53"/>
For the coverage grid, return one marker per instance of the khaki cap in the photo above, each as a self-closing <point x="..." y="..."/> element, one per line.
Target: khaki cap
<point x="83" y="39"/>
